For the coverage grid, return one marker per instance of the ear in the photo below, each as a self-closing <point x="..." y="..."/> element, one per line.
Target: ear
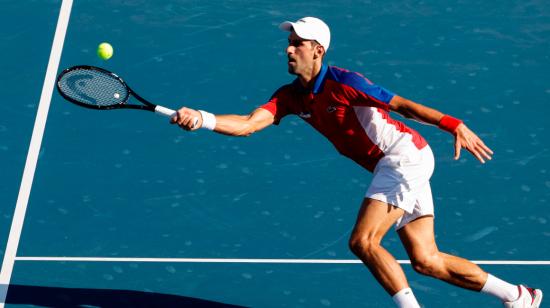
<point x="319" y="52"/>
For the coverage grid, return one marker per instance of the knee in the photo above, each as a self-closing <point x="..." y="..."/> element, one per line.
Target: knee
<point x="356" y="244"/>
<point x="426" y="264"/>
<point x="363" y="246"/>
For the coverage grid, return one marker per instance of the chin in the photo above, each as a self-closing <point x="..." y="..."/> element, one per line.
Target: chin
<point x="292" y="70"/>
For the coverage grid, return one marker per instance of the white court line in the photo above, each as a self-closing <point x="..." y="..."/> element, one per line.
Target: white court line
<point x="261" y="261"/>
<point x="34" y="149"/>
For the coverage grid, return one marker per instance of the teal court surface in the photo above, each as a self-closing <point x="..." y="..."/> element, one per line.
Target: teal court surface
<point x="121" y="209"/>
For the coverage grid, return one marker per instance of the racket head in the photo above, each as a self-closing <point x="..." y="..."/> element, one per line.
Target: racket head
<point x="93" y="87"/>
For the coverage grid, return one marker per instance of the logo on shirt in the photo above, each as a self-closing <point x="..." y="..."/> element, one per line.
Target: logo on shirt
<point x="304" y="115"/>
<point x="331" y="109"/>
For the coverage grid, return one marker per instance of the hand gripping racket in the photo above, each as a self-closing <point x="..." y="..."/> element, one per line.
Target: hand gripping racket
<point x="97" y="88"/>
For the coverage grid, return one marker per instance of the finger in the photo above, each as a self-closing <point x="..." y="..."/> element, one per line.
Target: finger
<point x="475" y="152"/>
<point x="458" y="146"/>
<point x="478" y="156"/>
<point x="183" y="119"/>
<point x="486" y="148"/>
<point x="177" y="117"/>
<point x="183" y="126"/>
<point x="484" y="153"/>
<point x="483" y="149"/>
<point x="188" y="122"/>
<point x="174" y="118"/>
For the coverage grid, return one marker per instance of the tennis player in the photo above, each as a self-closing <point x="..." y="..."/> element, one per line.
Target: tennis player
<point x="353" y="114"/>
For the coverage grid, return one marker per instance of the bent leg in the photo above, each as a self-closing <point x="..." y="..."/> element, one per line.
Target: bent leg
<point x="373" y="221"/>
<point x="419" y="241"/>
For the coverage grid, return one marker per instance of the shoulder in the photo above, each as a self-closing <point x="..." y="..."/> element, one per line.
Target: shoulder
<point x="359" y="83"/>
<point x="349" y="78"/>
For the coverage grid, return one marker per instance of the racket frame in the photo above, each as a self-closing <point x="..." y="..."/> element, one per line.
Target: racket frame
<point x="146" y="105"/>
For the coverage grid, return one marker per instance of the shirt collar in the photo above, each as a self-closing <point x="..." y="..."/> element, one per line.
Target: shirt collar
<point x="317" y="87"/>
<point x="320" y="78"/>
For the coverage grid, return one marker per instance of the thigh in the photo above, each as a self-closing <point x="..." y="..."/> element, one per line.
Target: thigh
<point x="375" y="218"/>
<point x="418" y="237"/>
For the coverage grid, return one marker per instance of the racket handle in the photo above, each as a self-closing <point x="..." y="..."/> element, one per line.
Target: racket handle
<point x="167" y="112"/>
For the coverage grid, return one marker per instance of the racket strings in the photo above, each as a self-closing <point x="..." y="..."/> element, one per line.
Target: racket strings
<point x="93" y="87"/>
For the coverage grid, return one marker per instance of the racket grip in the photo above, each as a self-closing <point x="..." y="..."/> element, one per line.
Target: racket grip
<point x="167" y="112"/>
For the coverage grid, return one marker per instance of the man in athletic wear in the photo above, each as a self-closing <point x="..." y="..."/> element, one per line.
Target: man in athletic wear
<point x="353" y="114"/>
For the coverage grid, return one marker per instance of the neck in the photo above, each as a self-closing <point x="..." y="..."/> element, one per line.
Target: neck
<point x="308" y="79"/>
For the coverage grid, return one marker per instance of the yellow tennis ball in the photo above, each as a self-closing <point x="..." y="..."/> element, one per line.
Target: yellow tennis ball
<point x="105" y="51"/>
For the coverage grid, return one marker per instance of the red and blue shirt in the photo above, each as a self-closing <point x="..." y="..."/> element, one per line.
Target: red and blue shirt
<point x="351" y="112"/>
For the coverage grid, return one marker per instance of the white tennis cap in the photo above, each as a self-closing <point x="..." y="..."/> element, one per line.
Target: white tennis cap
<point x="309" y="28"/>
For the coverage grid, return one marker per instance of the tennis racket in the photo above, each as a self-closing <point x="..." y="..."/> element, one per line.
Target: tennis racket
<point x="97" y="88"/>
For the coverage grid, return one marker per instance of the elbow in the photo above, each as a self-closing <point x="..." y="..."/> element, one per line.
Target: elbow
<point x="243" y="134"/>
<point x="404" y="112"/>
<point x="246" y="130"/>
<point x="402" y="106"/>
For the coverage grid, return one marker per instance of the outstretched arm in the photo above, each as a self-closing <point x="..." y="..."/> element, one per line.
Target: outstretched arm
<point x="464" y="137"/>
<point x="233" y="125"/>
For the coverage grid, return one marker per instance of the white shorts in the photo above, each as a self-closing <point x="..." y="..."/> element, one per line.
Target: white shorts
<point x="404" y="182"/>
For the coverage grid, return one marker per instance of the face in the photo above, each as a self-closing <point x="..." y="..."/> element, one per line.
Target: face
<point x="301" y="55"/>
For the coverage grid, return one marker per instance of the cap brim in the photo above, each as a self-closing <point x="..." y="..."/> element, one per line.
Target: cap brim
<point x="298" y="28"/>
<point x="286" y="26"/>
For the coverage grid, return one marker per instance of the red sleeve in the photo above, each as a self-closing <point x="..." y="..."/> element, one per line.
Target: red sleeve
<point x="277" y="104"/>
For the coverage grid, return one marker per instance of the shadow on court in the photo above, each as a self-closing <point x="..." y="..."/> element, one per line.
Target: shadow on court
<point x="76" y="297"/>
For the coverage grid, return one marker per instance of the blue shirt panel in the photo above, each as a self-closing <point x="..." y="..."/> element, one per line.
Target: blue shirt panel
<point x="359" y="83"/>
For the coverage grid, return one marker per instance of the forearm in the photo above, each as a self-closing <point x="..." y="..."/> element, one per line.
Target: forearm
<point x="421" y="113"/>
<point x="237" y="125"/>
<point x="234" y="125"/>
<point x="464" y="137"/>
<point x="415" y="111"/>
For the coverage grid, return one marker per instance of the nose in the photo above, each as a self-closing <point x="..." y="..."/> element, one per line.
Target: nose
<point x="290" y="49"/>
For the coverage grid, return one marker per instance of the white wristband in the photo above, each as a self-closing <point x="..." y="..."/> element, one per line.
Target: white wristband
<point x="208" y="120"/>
